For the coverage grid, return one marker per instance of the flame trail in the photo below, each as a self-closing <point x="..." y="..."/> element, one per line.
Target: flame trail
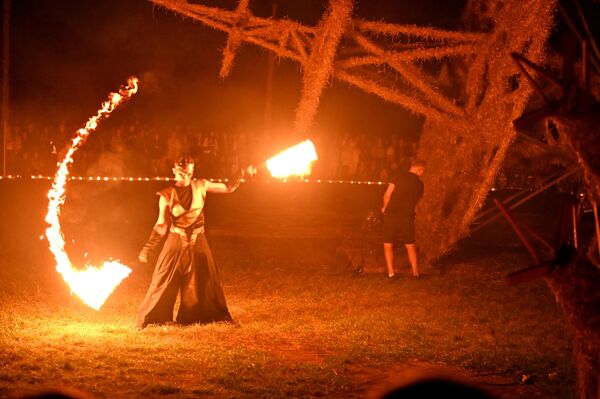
<point x="295" y="161"/>
<point x="93" y="285"/>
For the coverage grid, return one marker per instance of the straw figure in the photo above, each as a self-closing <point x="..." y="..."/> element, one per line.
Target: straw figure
<point x="467" y="154"/>
<point x="468" y="109"/>
<point x="573" y="272"/>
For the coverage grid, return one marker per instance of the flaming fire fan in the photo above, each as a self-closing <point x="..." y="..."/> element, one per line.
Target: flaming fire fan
<point x="92" y="284"/>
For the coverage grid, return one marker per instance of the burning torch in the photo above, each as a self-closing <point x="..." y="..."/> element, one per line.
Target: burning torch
<point x="294" y="161"/>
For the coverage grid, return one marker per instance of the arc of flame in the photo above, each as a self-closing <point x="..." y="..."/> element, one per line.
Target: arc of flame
<point x="92" y="284"/>
<point x="295" y="161"/>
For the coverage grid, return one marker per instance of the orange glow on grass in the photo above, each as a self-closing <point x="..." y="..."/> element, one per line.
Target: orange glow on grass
<point x="295" y="161"/>
<point x="92" y="284"/>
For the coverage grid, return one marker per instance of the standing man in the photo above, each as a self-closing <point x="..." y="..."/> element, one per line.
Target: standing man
<point x="399" y="202"/>
<point x="185" y="263"/>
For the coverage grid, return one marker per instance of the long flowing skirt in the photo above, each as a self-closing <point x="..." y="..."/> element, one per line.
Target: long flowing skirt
<point x="187" y="267"/>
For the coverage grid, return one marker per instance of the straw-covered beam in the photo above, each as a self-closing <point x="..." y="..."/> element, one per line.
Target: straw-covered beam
<point x="427" y="33"/>
<point x="319" y="66"/>
<point x="374" y="87"/>
<point x="464" y="157"/>
<point x="412" y="76"/>
<point x="235" y="37"/>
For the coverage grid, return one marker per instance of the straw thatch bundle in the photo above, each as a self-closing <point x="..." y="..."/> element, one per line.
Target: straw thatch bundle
<point x="575" y="286"/>
<point x="465" y="156"/>
<point x="319" y="65"/>
<point x="235" y="37"/>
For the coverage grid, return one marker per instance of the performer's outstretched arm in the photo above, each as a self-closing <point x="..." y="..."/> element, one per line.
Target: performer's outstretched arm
<point x="222" y="188"/>
<point x="232" y="184"/>
<point x="158" y="232"/>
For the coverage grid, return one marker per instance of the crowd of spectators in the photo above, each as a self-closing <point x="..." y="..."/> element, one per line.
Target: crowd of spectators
<point x="134" y="150"/>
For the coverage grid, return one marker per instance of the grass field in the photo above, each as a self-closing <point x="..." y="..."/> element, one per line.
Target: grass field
<point x="307" y="328"/>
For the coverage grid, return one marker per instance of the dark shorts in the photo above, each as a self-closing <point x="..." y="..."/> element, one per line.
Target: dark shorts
<point x="399" y="228"/>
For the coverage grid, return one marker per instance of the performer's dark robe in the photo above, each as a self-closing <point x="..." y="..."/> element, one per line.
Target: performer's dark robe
<point x="185" y="265"/>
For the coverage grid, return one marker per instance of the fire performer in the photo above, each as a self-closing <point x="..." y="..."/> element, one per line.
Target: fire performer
<point x="399" y="202"/>
<point x="185" y="263"/>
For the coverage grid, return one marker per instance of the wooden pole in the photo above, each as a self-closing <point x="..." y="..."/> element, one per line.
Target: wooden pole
<point x="527" y="198"/>
<point x="513" y="197"/>
<point x="595" y="205"/>
<point x="518" y="60"/>
<point x="588" y="32"/>
<point x="529" y="273"/>
<point x="584" y="65"/>
<point x="574" y="222"/>
<point x="5" y="80"/>
<point x="269" y="88"/>
<point x="576" y="32"/>
<point x="517" y="229"/>
<point x="550" y="251"/>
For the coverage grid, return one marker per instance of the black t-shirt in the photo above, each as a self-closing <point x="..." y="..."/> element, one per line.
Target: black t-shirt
<point x="408" y="189"/>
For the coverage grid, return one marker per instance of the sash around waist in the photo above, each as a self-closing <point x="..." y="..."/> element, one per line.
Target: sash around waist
<point x="188" y="233"/>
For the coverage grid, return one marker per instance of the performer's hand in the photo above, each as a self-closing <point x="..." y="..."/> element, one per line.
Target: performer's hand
<point x="143" y="256"/>
<point x="383" y="211"/>
<point x="250" y="171"/>
<point x="235" y="183"/>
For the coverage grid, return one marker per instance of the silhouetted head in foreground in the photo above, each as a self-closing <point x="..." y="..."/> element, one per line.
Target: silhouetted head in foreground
<point x="60" y="393"/>
<point x="436" y="388"/>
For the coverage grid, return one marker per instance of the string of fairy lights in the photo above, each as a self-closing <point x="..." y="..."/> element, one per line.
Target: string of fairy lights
<point x="169" y="179"/>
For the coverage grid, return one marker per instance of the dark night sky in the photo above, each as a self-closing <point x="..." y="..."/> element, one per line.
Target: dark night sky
<point x="67" y="55"/>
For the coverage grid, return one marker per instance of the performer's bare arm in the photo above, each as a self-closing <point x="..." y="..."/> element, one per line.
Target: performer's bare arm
<point x="387" y="196"/>
<point x="161" y="224"/>
<point x="159" y="230"/>
<point x="220" y="188"/>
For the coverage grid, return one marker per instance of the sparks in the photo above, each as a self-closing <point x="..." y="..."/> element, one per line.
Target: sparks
<point x="295" y="161"/>
<point x="93" y="285"/>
